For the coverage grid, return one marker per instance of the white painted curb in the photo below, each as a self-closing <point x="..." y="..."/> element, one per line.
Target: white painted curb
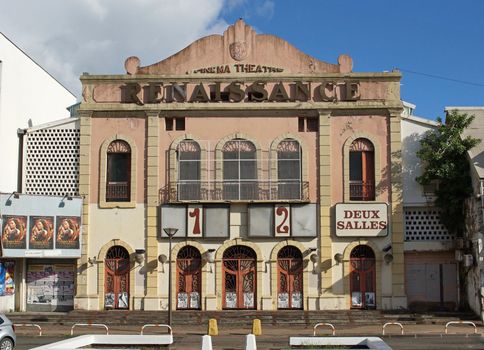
<point x="207" y="342"/>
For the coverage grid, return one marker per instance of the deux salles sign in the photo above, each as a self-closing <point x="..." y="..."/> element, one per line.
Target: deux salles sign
<point x="361" y="219"/>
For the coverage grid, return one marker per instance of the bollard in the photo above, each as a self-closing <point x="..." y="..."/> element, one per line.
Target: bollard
<point x="212" y="327"/>
<point x="250" y="343"/>
<point x="256" y="327"/>
<point x="207" y="342"/>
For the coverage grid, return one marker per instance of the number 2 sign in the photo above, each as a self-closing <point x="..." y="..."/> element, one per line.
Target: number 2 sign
<point x="195" y="220"/>
<point x="282" y="220"/>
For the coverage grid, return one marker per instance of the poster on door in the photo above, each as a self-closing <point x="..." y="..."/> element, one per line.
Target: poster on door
<point x="248" y="299"/>
<point x="123" y="300"/>
<point x="109" y="300"/>
<point x="194" y="300"/>
<point x="296" y="300"/>
<point x="230" y="300"/>
<point x="283" y="300"/>
<point x="370" y="299"/>
<point x="356" y="299"/>
<point x="182" y="302"/>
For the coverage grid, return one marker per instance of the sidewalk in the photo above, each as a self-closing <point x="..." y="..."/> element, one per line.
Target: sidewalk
<point x="188" y="337"/>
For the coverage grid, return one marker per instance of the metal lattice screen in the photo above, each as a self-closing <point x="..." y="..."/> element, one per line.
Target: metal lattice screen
<point x="423" y="224"/>
<point x="52" y="162"/>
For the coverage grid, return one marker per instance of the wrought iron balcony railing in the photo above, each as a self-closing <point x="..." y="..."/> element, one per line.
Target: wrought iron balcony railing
<point x="117" y="192"/>
<point x="362" y="191"/>
<point x="235" y="191"/>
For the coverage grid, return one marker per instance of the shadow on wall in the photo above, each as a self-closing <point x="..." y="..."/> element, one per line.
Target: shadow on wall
<point x="403" y="163"/>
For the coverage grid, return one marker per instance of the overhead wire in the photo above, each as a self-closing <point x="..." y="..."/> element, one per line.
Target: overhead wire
<point x="441" y="77"/>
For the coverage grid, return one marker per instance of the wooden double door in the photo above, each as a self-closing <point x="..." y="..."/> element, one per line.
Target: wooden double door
<point x="239" y="278"/>
<point x="116" y="280"/>
<point x="362" y="278"/>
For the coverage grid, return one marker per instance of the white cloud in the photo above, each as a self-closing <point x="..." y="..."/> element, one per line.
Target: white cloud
<point x="71" y="37"/>
<point x="266" y="9"/>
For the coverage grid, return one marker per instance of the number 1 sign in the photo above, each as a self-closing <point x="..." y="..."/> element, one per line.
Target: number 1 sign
<point x="195" y="221"/>
<point x="282" y="220"/>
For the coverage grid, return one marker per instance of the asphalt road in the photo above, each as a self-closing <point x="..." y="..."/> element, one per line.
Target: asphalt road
<point x="236" y="341"/>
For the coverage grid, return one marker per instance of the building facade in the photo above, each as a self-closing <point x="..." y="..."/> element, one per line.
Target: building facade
<point x="431" y="269"/>
<point x="280" y="174"/>
<point x="28" y="95"/>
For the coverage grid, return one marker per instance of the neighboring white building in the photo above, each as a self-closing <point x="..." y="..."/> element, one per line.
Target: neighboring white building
<point x="472" y="248"/>
<point x="27" y="92"/>
<point x="430" y="267"/>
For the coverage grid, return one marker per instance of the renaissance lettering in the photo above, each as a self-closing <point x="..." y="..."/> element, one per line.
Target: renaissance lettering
<point x="239" y="91"/>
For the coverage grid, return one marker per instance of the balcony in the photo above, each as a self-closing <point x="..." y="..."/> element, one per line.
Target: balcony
<point x="362" y="191"/>
<point x="223" y="191"/>
<point x="117" y="192"/>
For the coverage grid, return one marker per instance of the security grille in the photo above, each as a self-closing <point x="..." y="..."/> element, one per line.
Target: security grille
<point x="423" y="224"/>
<point x="52" y="162"/>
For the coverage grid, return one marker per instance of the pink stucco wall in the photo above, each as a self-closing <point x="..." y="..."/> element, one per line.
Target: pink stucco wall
<point x="344" y="127"/>
<point x="104" y="128"/>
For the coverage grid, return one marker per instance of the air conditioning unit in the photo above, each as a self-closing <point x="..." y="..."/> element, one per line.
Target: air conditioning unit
<point x="468" y="260"/>
<point x="458" y="255"/>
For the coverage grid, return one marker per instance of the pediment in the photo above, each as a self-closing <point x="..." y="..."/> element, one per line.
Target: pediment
<point x="239" y="50"/>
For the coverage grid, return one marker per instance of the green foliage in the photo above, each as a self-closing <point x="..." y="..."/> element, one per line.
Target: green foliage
<point x="444" y="154"/>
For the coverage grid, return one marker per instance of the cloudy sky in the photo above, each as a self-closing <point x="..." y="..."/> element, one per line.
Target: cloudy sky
<point x="438" y="44"/>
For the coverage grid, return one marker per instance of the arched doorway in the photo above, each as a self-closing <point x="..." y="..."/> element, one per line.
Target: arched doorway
<point x="188" y="278"/>
<point x="239" y="278"/>
<point x="290" y="278"/>
<point x="116" y="280"/>
<point x="362" y="278"/>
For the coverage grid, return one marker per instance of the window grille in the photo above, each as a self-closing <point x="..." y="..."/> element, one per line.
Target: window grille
<point x="239" y="170"/>
<point x="423" y="224"/>
<point x="52" y="162"/>
<point x="289" y="169"/>
<point x="362" y="170"/>
<point x="188" y="170"/>
<point x="118" y="177"/>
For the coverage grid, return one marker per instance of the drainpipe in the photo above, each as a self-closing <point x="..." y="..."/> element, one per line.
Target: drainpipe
<point x="20" y="133"/>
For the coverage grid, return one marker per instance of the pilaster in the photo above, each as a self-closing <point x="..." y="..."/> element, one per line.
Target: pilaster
<point x="152" y="200"/>
<point x="325" y="250"/>
<point x="396" y="198"/>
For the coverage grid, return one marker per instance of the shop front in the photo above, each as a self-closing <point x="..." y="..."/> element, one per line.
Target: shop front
<point x="41" y="240"/>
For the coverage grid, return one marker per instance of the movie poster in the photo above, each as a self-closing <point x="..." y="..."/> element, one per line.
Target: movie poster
<point x="7" y="285"/>
<point x="14" y="232"/>
<point x="67" y="232"/>
<point x="41" y="232"/>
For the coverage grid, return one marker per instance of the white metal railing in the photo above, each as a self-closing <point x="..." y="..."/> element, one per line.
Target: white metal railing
<point x="460" y="322"/>
<point x="317" y="325"/>
<point x="29" y="325"/>
<point x="90" y="325"/>
<point x="392" y="324"/>
<point x="170" y="330"/>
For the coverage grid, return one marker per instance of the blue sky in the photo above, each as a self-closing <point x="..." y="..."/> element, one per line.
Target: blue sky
<point x="432" y="37"/>
<point x="440" y="38"/>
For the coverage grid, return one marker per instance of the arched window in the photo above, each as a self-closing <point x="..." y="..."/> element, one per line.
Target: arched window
<point x="239" y="170"/>
<point x="362" y="170"/>
<point x="118" y="175"/>
<point x="188" y="170"/>
<point x="289" y="169"/>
